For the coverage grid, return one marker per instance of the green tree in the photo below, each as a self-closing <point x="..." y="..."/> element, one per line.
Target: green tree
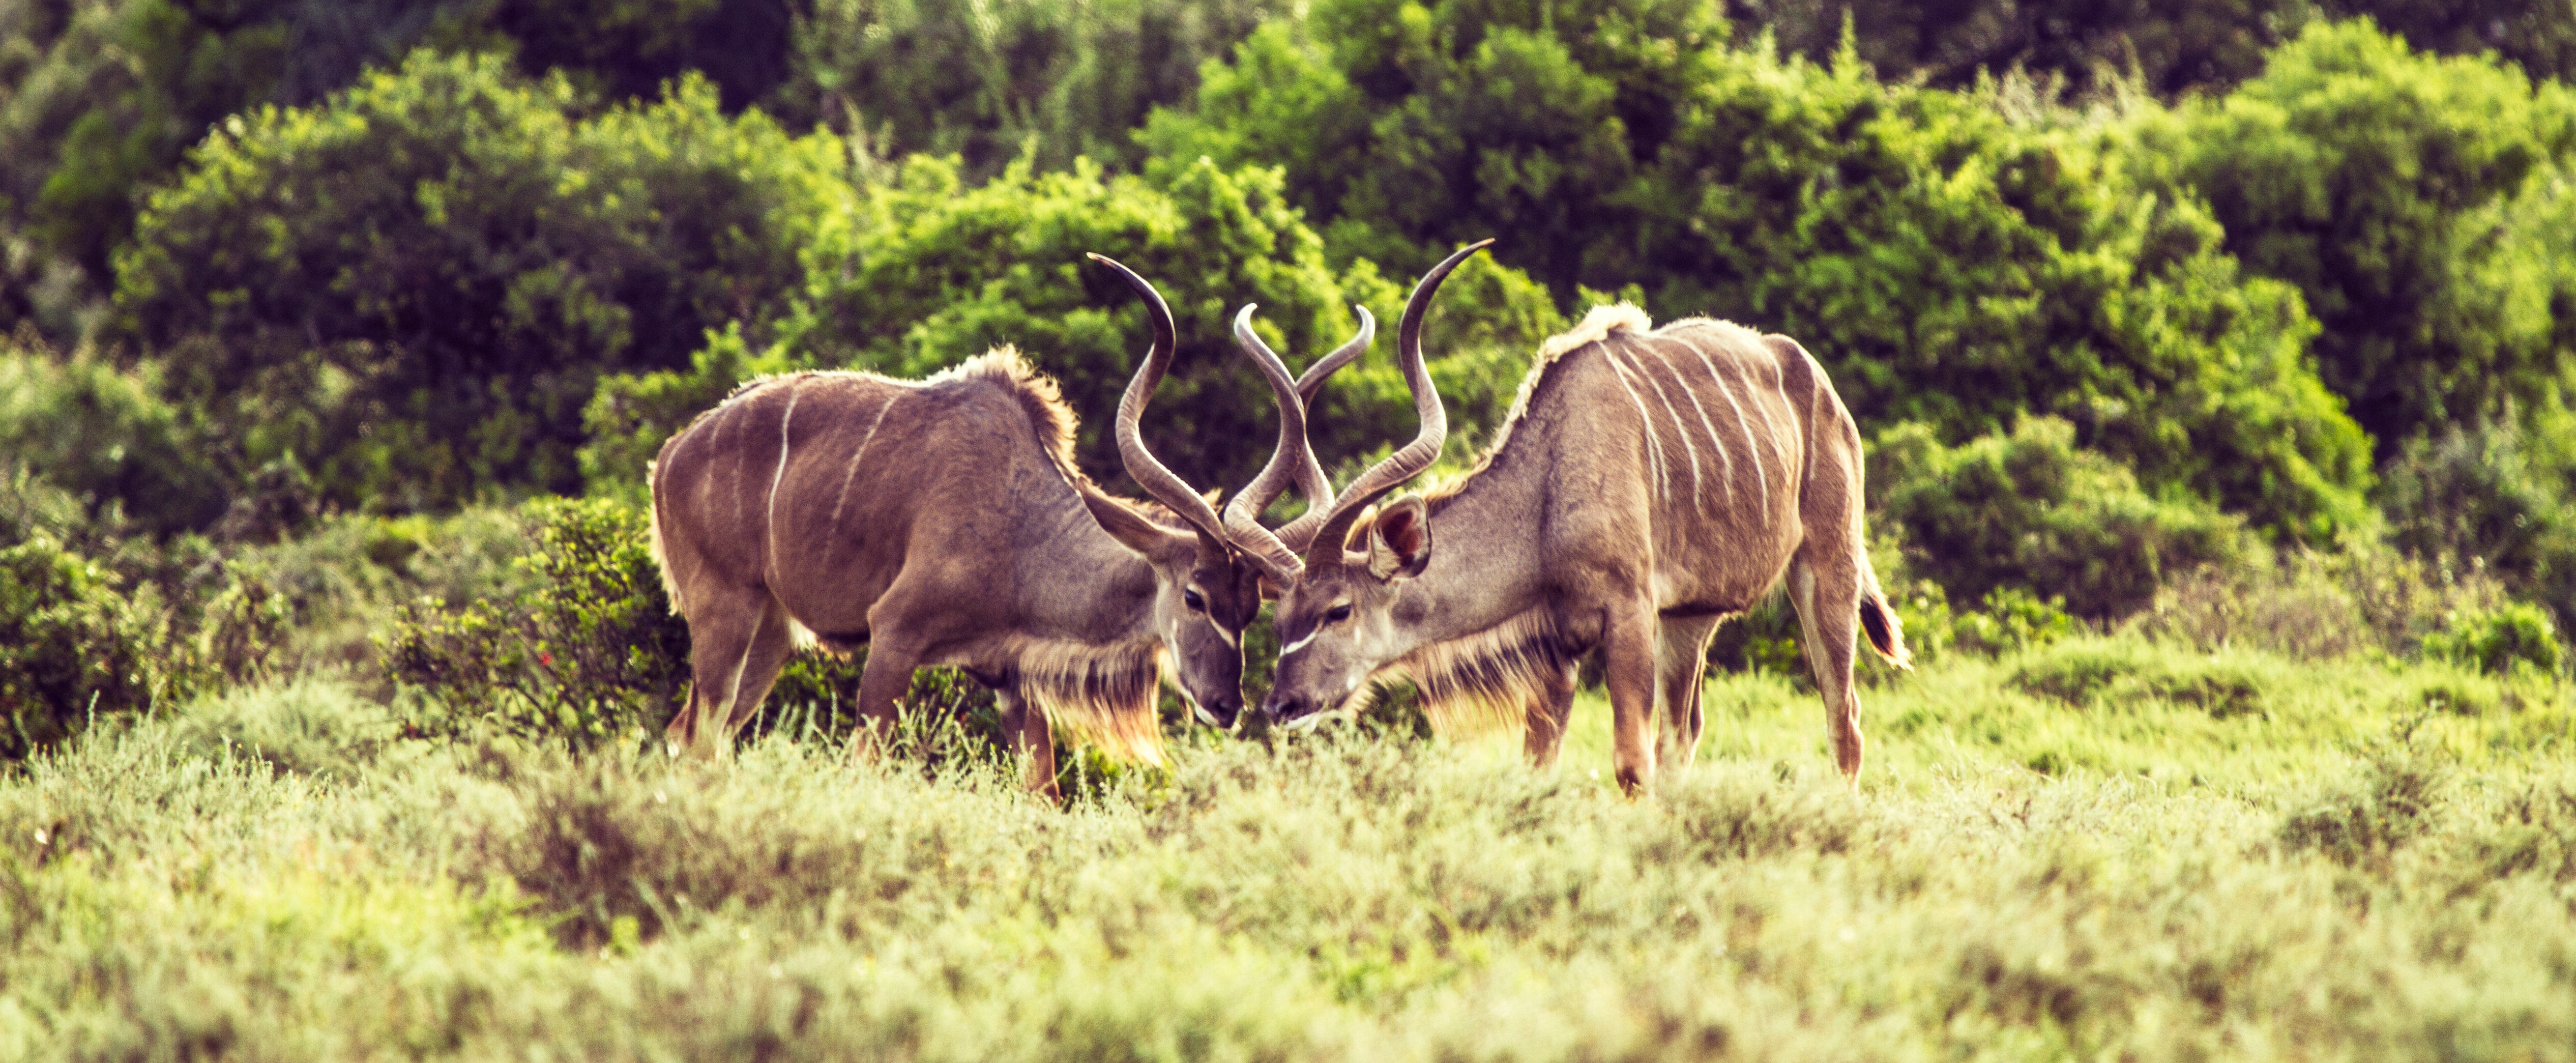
<point x="989" y="79"/>
<point x="1945" y="264"/>
<point x="106" y="436"/>
<point x="2171" y="46"/>
<point x="415" y="285"/>
<point x="2387" y="186"/>
<point x="2033" y="510"/>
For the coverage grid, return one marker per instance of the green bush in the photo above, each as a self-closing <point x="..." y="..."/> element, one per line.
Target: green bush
<point x="2492" y="499"/>
<point x="320" y="600"/>
<point x="2032" y="510"/>
<point x="2011" y="619"/>
<point x="72" y="649"/>
<point x="106" y="436"/>
<point x="2108" y="673"/>
<point x="2499" y="640"/>
<point x="588" y="652"/>
<point x="994" y="81"/>
<point x="2169" y="47"/>
<point x="415" y="286"/>
<point x="1944" y="264"/>
<point x="2385" y="185"/>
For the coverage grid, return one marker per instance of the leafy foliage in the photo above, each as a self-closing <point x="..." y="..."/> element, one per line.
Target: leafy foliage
<point x="990" y="82"/>
<point x="72" y="649"/>
<point x="2033" y="510"/>
<point x="588" y="653"/>
<point x="2172" y="46"/>
<point x="416" y="285"/>
<point x="107" y="436"/>
<point x="2390" y="188"/>
<point x="2499" y="640"/>
<point x="1946" y="265"/>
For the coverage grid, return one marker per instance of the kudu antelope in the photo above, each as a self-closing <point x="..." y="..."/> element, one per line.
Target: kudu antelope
<point x="1647" y="484"/>
<point x="943" y="521"/>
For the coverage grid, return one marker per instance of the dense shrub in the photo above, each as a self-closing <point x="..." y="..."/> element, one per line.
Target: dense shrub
<point x="993" y="81"/>
<point x="2367" y="597"/>
<point x="2172" y="46"/>
<point x="2492" y="499"/>
<point x="313" y="727"/>
<point x="322" y="599"/>
<point x="2033" y="510"/>
<point x="72" y="648"/>
<point x="415" y="286"/>
<point x="1946" y="265"/>
<point x="2384" y="184"/>
<point x="2499" y="640"/>
<point x="588" y="651"/>
<point x="106" y="436"/>
<point x="2112" y="673"/>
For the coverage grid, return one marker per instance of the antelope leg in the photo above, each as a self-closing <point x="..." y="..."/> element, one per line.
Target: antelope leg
<point x="738" y="640"/>
<point x="1825" y="584"/>
<point x="1547" y="718"/>
<point x="1027" y="725"/>
<point x="882" y="685"/>
<point x="1681" y="660"/>
<point x="1628" y="649"/>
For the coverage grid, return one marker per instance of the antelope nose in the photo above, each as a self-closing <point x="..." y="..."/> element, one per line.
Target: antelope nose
<point x="1224" y="711"/>
<point x="1283" y="708"/>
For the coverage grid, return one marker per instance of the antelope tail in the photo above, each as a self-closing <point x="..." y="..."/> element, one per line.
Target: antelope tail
<point x="1878" y="620"/>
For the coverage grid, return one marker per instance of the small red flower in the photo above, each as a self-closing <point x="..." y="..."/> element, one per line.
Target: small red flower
<point x="545" y="658"/>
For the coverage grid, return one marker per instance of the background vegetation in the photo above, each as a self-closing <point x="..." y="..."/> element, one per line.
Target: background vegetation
<point x="2215" y="359"/>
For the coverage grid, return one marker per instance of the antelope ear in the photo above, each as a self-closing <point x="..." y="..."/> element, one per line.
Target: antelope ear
<point x="1124" y="524"/>
<point x="1399" y="539"/>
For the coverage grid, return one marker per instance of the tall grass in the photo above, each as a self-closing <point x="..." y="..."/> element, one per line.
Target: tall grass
<point x="2340" y="870"/>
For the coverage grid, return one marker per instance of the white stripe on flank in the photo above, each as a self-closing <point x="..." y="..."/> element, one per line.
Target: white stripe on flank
<point x="855" y="455"/>
<point x="1689" y="448"/>
<point x="1654" y="448"/>
<point x="769" y="535"/>
<point x="1726" y="462"/>
<point x="1780" y="442"/>
<point x="1752" y="449"/>
<point x="1301" y="643"/>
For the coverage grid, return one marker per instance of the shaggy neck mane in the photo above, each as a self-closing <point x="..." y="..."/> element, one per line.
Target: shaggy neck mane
<point x="1485" y="681"/>
<point x="1106" y="694"/>
<point x="1052" y="421"/>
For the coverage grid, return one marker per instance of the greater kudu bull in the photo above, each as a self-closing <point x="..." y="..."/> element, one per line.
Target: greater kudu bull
<point x="1647" y="484"/>
<point x="943" y="521"/>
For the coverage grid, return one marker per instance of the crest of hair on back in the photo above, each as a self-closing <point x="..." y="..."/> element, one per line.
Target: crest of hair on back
<point x="1037" y="392"/>
<point x="1104" y="695"/>
<point x="1595" y="327"/>
<point x="1485" y="681"/>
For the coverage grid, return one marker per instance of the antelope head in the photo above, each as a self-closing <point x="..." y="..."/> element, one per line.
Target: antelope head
<point x="1209" y="579"/>
<point x="1341" y="614"/>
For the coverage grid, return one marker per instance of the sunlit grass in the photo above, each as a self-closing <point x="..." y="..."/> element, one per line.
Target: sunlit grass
<point x="2352" y="861"/>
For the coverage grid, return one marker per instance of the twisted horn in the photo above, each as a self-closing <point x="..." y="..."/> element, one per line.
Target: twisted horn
<point x="1324" y="541"/>
<point x="1161" y="483"/>
<point x="1295" y="455"/>
<point x="1244" y="524"/>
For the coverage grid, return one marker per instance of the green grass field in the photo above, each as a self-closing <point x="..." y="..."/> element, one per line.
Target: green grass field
<point x="2105" y="849"/>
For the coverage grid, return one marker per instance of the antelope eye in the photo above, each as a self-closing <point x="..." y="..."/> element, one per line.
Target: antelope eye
<point x="1191" y="598"/>
<point x="1337" y="614"/>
